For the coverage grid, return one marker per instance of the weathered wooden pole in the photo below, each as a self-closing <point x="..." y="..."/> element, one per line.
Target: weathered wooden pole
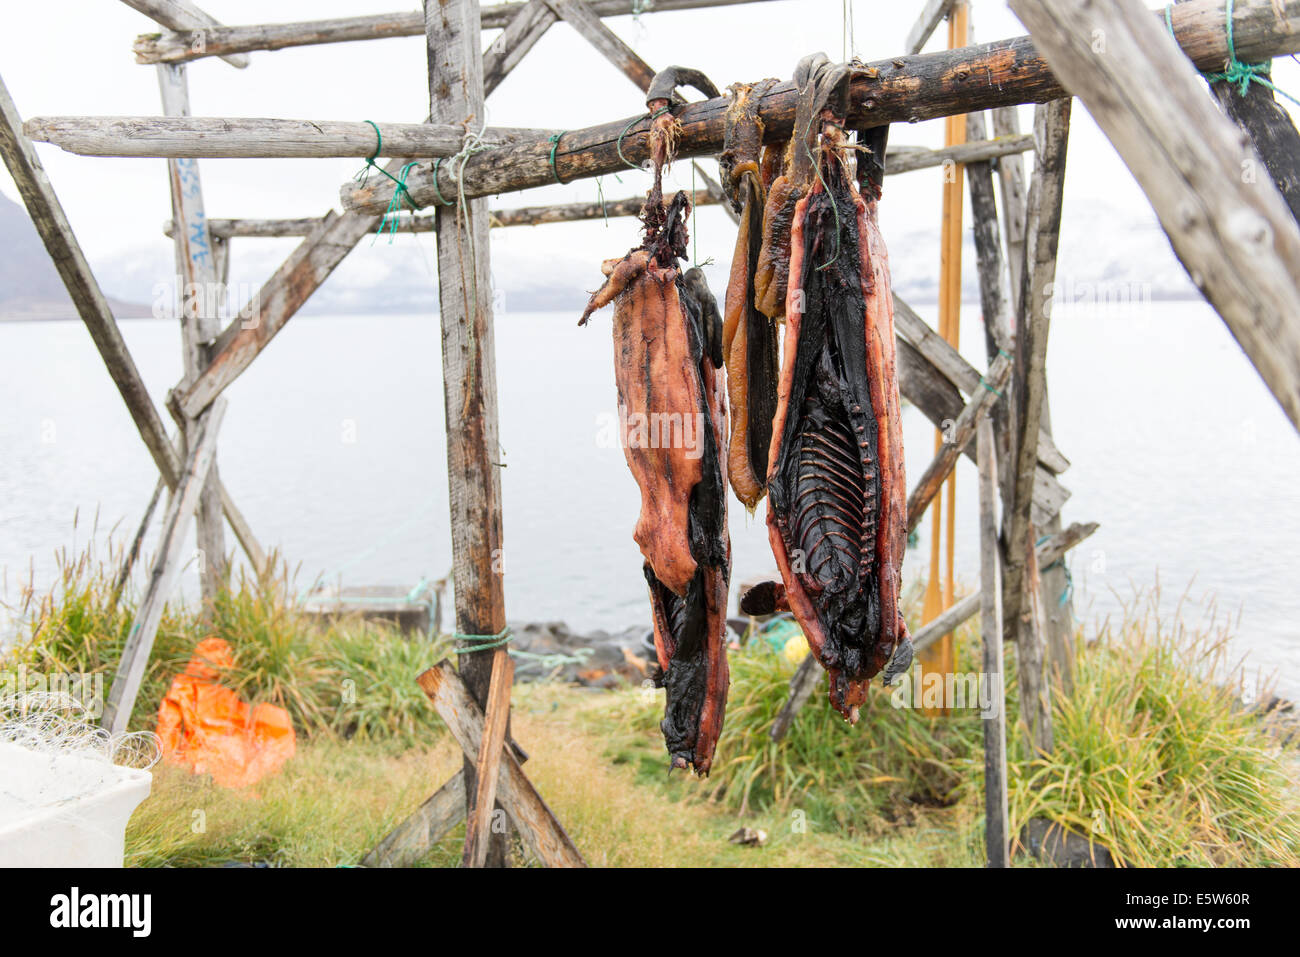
<point x="191" y="24"/>
<point x="1042" y="233"/>
<point x="198" y="298"/>
<point x="1056" y="600"/>
<point x="1270" y="128"/>
<point x="995" y="725"/>
<point x="468" y="366"/>
<point x="927" y="86"/>
<point x="166" y="570"/>
<point x="56" y="233"/>
<point x="1238" y="240"/>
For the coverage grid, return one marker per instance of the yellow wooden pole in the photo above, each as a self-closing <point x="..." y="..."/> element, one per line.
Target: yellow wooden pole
<point x="941" y="657"/>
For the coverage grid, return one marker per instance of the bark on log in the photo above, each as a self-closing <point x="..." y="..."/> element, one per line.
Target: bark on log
<point x="923" y="87"/>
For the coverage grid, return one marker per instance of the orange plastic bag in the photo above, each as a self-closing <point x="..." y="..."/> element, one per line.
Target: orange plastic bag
<point x="210" y="729"/>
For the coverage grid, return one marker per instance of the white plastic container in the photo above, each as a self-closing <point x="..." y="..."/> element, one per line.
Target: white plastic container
<point x="65" y="810"/>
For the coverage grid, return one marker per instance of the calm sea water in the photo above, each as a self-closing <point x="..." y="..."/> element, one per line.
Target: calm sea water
<point x="334" y="448"/>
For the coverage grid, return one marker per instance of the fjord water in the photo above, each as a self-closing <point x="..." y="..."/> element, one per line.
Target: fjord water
<point x="333" y="446"/>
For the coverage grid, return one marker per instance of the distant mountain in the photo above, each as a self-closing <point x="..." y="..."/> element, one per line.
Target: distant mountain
<point x="30" y="287"/>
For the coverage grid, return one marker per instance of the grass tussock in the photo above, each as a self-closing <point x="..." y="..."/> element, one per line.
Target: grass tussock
<point x="348" y="678"/>
<point x="1158" y="756"/>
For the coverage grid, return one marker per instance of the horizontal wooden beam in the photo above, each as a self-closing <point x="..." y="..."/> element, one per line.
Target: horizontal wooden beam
<point x="191" y="22"/>
<point x="904" y="89"/>
<point x="180" y="137"/>
<point x="1048" y="552"/>
<point x="223" y="41"/>
<point x="905" y="159"/>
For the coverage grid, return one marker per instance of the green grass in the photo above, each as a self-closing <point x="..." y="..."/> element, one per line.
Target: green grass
<point x="1155" y="756"/>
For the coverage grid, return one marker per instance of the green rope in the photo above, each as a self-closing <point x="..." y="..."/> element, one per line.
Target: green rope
<point x="442" y="200"/>
<point x="555" y="144"/>
<point x="1068" y="591"/>
<point x="985" y="382"/>
<point x="648" y="116"/>
<point x="1239" y="73"/>
<point x="393" y="214"/>
<point x="484" y="642"/>
<point x="400" y="193"/>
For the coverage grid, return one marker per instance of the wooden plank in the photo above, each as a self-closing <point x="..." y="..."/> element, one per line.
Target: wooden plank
<point x="166" y="570"/>
<point x="949" y="362"/>
<point x="468" y="363"/>
<point x="133" y="552"/>
<point x="802" y="685"/>
<point x="513" y="43"/>
<point x="542" y="834"/>
<point x="1011" y="177"/>
<point x="275" y="304"/>
<point x="488" y="766"/>
<point x="932" y="14"/>
<point x="1238" y="241"/>
<point x="906" y="159"/>
<point x="1029" y="389"/>
<point x="425" y="827"/>
<point x="1047" y="552"/>
<point x="193" y="137"/>
<point x="196" y="270"/>
<point x="192" y="24"/>
<point x="940" y="401"/>
<point x="56" y="233"/>
<point x="219" y="41"/>
<point x="996" y="829"/>
<point x="591" y="28"/>
<point x="955" y="441"/>
<point x="982" y="76"/>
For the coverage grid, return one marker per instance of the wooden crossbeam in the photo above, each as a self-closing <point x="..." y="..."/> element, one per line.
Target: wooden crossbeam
<point x="511" y="45"/>
<point x="1237" y="240"/>
<point x="923" y="87"/>
<point x="191" y="24"/>
<point x="223" y="41"/>
<point x="538" y="827"/>
<point x="180" y="137"/>
<point x="61" y="243"/>
<point x="166" y="570"/>
<point x="959" y="372"/>
<point x="425" y="827"/>
<point x="956" y="440"/>
<point x="579" y="15"/>
<point x="932" y="14"/>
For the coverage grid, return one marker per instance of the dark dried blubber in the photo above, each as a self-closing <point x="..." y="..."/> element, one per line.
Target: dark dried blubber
<point x="837" y="504"/>
<point x="667" y="366"/>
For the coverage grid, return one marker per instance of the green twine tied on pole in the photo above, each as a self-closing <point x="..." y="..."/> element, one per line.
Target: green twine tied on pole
<point x="400" y="193"/>
<point x="476" y="643"/>
<point x="1238" y="73"/>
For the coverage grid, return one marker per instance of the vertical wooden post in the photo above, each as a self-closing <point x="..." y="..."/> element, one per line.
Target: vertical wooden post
<point x="1056" y="601"/>
<point x="196" y="270"/>
<point x="1042" y="232"/>
<point x="995" y="725"/>
<point x="455" y="54"/>
<point x="1271" y="130"/>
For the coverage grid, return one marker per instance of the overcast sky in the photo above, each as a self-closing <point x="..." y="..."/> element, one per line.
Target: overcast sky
<point x="66" y="57"/>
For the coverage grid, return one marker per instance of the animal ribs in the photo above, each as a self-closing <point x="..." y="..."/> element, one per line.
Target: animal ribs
<point x="837" y="495"/>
